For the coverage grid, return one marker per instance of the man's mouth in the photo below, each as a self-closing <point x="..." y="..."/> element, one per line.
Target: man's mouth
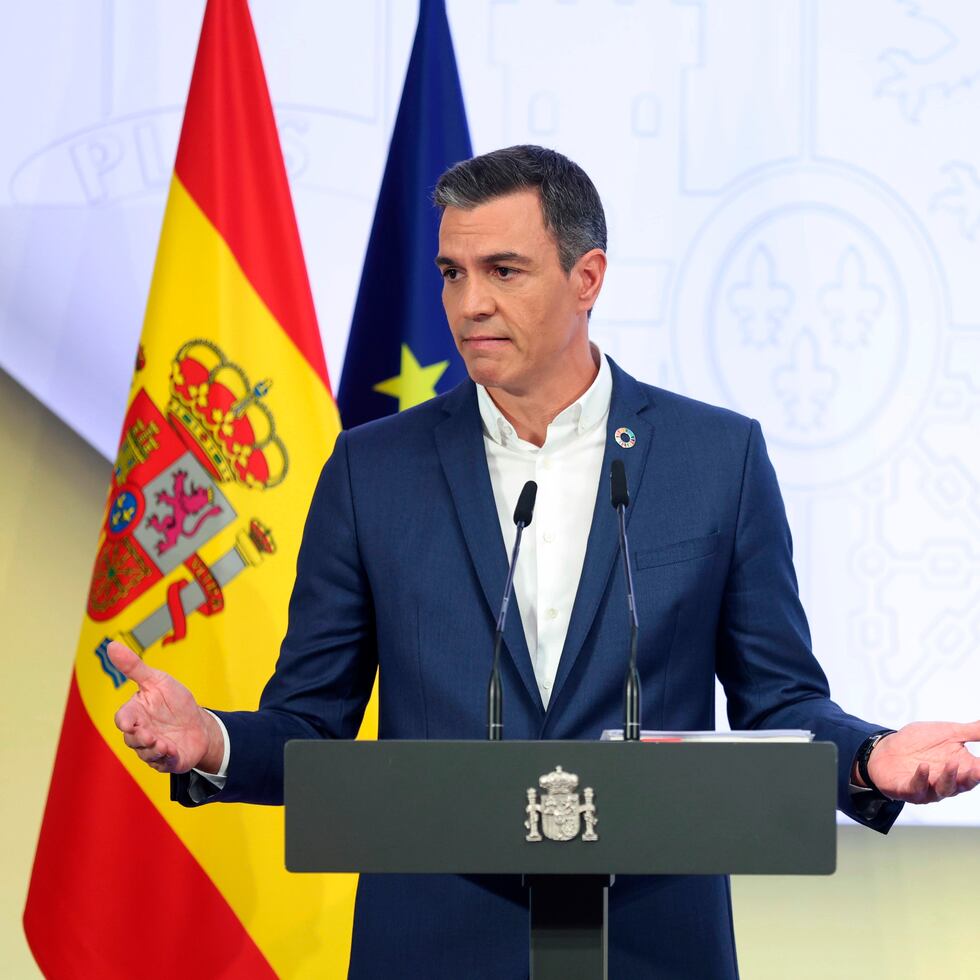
<point x="485" y="342"/>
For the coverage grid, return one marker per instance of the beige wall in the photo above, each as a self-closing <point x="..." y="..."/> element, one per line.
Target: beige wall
<point x="51" y="497"/>
<point x="905" y="906"/>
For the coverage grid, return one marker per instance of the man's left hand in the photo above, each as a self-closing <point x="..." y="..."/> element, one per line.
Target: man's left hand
<point x="926" y="761"/>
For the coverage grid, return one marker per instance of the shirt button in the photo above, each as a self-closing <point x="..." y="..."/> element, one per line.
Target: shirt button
<point x="548" y="537"/>
<point x="546" y="685"/>
<point x="546" y="464"/>
<point x="552" y="613"/>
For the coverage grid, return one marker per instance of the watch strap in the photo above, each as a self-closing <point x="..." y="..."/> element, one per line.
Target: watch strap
<point x="864" y="754"/>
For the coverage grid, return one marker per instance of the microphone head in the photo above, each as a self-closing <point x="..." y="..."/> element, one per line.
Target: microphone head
<point x="617" y="479"/>
<point x="525" y="504"/>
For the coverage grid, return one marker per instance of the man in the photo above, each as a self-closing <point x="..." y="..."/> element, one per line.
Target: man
<point x="403" y="564"/>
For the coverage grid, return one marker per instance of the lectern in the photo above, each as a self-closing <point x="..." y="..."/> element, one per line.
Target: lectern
<point x="568" y="816"/>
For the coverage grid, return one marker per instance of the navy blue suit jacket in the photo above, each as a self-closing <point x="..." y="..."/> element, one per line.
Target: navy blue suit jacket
<point x="402" y="568"/>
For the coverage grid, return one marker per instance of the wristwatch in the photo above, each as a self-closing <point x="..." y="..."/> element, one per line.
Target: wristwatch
<point x="864" y="754"/>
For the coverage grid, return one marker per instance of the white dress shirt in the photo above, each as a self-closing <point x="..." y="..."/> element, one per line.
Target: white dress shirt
<point x="566" y="469"/>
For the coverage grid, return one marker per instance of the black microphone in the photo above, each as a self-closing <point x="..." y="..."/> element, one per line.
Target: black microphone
<point x="495" y="692"/>
<point x="631" y="694"/>
<point x="617" y="481"/>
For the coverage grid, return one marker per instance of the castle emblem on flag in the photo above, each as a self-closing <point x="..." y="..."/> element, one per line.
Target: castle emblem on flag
<point x="560" y="810"/>
<point x="166" y="501"/>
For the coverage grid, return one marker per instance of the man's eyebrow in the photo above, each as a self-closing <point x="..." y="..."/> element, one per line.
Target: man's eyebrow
<point x="495" y="258"/>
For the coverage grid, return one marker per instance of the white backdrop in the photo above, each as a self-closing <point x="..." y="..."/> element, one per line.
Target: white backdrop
<point x="793" y="193"/>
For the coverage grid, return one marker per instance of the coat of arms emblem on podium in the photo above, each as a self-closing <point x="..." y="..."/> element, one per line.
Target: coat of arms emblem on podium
<point x="560" y="811"/>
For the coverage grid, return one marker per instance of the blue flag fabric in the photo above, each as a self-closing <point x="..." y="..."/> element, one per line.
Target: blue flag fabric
<point x="400" y="351"/>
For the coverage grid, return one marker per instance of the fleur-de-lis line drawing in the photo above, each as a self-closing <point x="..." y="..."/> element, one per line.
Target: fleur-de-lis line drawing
<point x="760" y="301"/>
<point x="850" y="302"/>
<point x="804" y="385"/>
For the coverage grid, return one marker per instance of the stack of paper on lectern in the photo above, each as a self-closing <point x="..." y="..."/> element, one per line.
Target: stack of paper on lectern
<point x="760" y="735"/>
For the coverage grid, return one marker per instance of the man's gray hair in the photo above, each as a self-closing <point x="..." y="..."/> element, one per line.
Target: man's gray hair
<point x="570" y="203"/>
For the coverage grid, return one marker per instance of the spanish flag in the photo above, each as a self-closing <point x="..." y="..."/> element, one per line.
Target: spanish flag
<point x="230" y="419"/>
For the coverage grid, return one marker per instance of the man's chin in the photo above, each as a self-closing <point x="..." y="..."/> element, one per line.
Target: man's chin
<point x="483" y="371"/>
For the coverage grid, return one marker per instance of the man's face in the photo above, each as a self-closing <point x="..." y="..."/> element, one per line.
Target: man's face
<point x="512" y="310"/>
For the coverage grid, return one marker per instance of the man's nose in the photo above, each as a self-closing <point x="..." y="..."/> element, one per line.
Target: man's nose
<point x="476" y="301"/>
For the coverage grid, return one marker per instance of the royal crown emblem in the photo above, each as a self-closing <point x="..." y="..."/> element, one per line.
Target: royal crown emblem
<point x="166" y="499"/>
<point x="560" y="811"/>
<point x="214" y="408"/>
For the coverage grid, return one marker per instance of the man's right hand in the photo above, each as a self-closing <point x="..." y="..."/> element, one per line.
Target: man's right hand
<point x="162" y="722"/>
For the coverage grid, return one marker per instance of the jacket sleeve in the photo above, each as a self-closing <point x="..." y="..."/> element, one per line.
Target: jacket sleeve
<point x="765" y="661"/>
<point x="328" y="659"/>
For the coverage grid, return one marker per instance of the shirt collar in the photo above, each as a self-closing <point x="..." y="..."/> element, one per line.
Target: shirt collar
<point x="584" y="413"/>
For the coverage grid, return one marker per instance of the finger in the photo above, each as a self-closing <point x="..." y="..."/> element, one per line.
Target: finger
<point x="129" y="663"/>
<point x="965" y="783"/>
<point x="131" y="715"/>
<point x="139" y="740"/>
<point x="162" y="763"/>
<point x="127" y="717"/>
<point x="152" y="744"/>
<point x="167" y="764"/>
<point x="945" y="785"/>
<point x="919" y="784"/>
<point x="165" y="758"/>
<point x="153" y="752"/>
<point x="969" y="778"/>
<point x="968" y="732"/>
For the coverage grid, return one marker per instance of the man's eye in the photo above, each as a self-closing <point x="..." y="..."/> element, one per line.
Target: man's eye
<point x="503" y="272"/>
<point x="450" y="274"/>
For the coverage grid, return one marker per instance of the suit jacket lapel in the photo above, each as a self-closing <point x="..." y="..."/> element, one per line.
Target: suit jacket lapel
<point x="459" y="442"/>
<point x="629" y="400"/>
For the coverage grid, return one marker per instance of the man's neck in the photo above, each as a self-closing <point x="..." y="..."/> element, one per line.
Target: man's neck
<point x="531" y="412"/>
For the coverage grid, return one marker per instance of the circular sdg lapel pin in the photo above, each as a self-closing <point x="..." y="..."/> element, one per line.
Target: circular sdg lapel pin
<point x="625" y="438"/>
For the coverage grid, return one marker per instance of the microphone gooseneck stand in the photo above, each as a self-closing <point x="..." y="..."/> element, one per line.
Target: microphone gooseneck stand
<point x="495" y="692"/>
<point x="631" y="690"/>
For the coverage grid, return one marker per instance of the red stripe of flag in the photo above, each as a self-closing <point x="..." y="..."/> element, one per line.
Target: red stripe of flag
<point x="230" y="162"/>
<point x="136" y="900"/>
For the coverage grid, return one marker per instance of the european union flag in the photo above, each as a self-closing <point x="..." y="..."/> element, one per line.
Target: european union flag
<point x="400" y="351"/>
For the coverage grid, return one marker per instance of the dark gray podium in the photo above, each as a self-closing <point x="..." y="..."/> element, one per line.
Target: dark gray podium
<point x="632" y="808"/>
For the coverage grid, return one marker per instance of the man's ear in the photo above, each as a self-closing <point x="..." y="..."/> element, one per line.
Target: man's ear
<point x="588" y="273"/>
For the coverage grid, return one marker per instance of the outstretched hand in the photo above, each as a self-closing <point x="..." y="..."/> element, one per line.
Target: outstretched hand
<point x="162" y="722"/>
<point x="926" y="761"/>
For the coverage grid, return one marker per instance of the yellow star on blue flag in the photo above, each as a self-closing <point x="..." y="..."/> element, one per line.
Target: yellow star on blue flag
<point x="415" y="384"/>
